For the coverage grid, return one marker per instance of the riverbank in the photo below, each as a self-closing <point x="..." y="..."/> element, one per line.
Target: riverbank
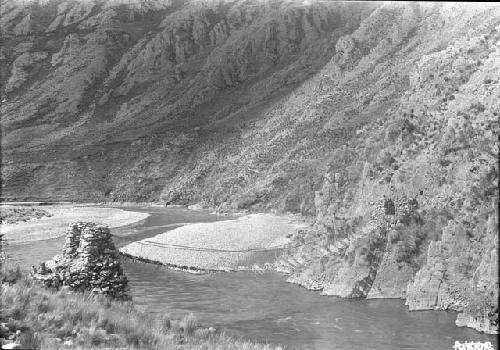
<point x="218" y="246"/>
<point x="262" y="306"/>
<point x="39" y="318"/>
<point x="62" y="216"/>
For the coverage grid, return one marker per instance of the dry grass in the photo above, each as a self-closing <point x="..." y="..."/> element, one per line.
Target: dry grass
<point x="49" y="318"/>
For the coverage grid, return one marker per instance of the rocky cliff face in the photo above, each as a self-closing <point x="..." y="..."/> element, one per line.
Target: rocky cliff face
<point x="86" y="80"/>
<point x="407" y="207"/>
<point x="379" y="121"/>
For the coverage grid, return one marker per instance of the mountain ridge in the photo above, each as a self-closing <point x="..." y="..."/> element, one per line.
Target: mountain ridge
<point x="378" y="122"/>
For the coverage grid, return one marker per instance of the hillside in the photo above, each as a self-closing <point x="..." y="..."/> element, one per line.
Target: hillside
<point x="114" y="102"/>
<point x="378" y="121"/>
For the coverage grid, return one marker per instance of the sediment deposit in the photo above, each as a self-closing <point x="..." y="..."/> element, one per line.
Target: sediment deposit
<point x="249" y="241"/>
<point x="326" y="109"/>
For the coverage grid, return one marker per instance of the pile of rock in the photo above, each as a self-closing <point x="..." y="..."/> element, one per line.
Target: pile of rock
<point x="89" y="261"/>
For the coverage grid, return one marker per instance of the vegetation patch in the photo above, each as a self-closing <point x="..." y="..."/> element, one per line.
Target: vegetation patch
<point x="40" y="318"/>
<point x="13" y="215"/>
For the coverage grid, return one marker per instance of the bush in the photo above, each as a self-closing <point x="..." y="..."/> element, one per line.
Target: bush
<point x="393" y="236"/>
<point x="11" y="276"/>
<point x="410" y="235"/>
<point x="188" y="324"/>
<point x="477" y="107"/>
<point x="392" y="132"/>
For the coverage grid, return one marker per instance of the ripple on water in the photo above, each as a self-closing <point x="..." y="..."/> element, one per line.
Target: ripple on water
<point x="263" y="307"/>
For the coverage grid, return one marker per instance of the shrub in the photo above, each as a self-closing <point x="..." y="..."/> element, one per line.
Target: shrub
<point x="478" y="107"/>
<point x="29" y="340"/>
<point x="393" y="236"/>
<point x="386" y="159"/>
<point x="188" y="324"/>
<point x="412" y="233"/>
<point x="11" y="276"/>
<point x="392" y="132"/>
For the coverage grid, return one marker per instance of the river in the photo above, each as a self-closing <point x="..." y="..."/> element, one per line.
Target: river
<point x="262" y="306"/>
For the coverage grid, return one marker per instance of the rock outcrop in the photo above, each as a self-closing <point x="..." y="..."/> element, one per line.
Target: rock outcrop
<point x="343" y="112"/>
<point x="22" y="67"/>
<point x="434" y="155"/>
<point x="89" y="261"/>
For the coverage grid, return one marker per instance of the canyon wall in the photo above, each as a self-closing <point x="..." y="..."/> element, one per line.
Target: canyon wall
<point x="378" y="122"/>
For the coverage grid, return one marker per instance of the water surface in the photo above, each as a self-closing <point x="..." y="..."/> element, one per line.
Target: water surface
<point x="262" y="306"/>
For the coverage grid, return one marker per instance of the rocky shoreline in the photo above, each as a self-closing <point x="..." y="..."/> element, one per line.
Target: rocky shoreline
<point x="479" y="323"/>
<point x="424" y="298"/>
<point x="287" y="230"/>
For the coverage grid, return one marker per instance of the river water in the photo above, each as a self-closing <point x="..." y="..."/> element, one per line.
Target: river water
<point x="262" y="306"/>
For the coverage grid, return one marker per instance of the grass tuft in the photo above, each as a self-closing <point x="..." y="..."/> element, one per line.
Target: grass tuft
<point x="50" y="319"/>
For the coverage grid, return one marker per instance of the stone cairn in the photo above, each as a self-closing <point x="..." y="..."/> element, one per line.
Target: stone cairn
<point x="90" y="261"/>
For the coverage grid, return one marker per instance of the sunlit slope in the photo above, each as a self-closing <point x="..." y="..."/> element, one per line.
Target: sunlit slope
<point x="378" y="120"/>
<point x="111" y="101"/>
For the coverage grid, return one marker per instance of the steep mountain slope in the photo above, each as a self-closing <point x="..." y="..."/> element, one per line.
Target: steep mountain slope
<point x="379" y="121"/>
<point x="408" y="206"/>
<point x="85" y="81"/>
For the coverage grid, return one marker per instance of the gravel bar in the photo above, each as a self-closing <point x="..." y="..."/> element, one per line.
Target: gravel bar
<point x="221" y="245"/>
<point x="62" y="217"/>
